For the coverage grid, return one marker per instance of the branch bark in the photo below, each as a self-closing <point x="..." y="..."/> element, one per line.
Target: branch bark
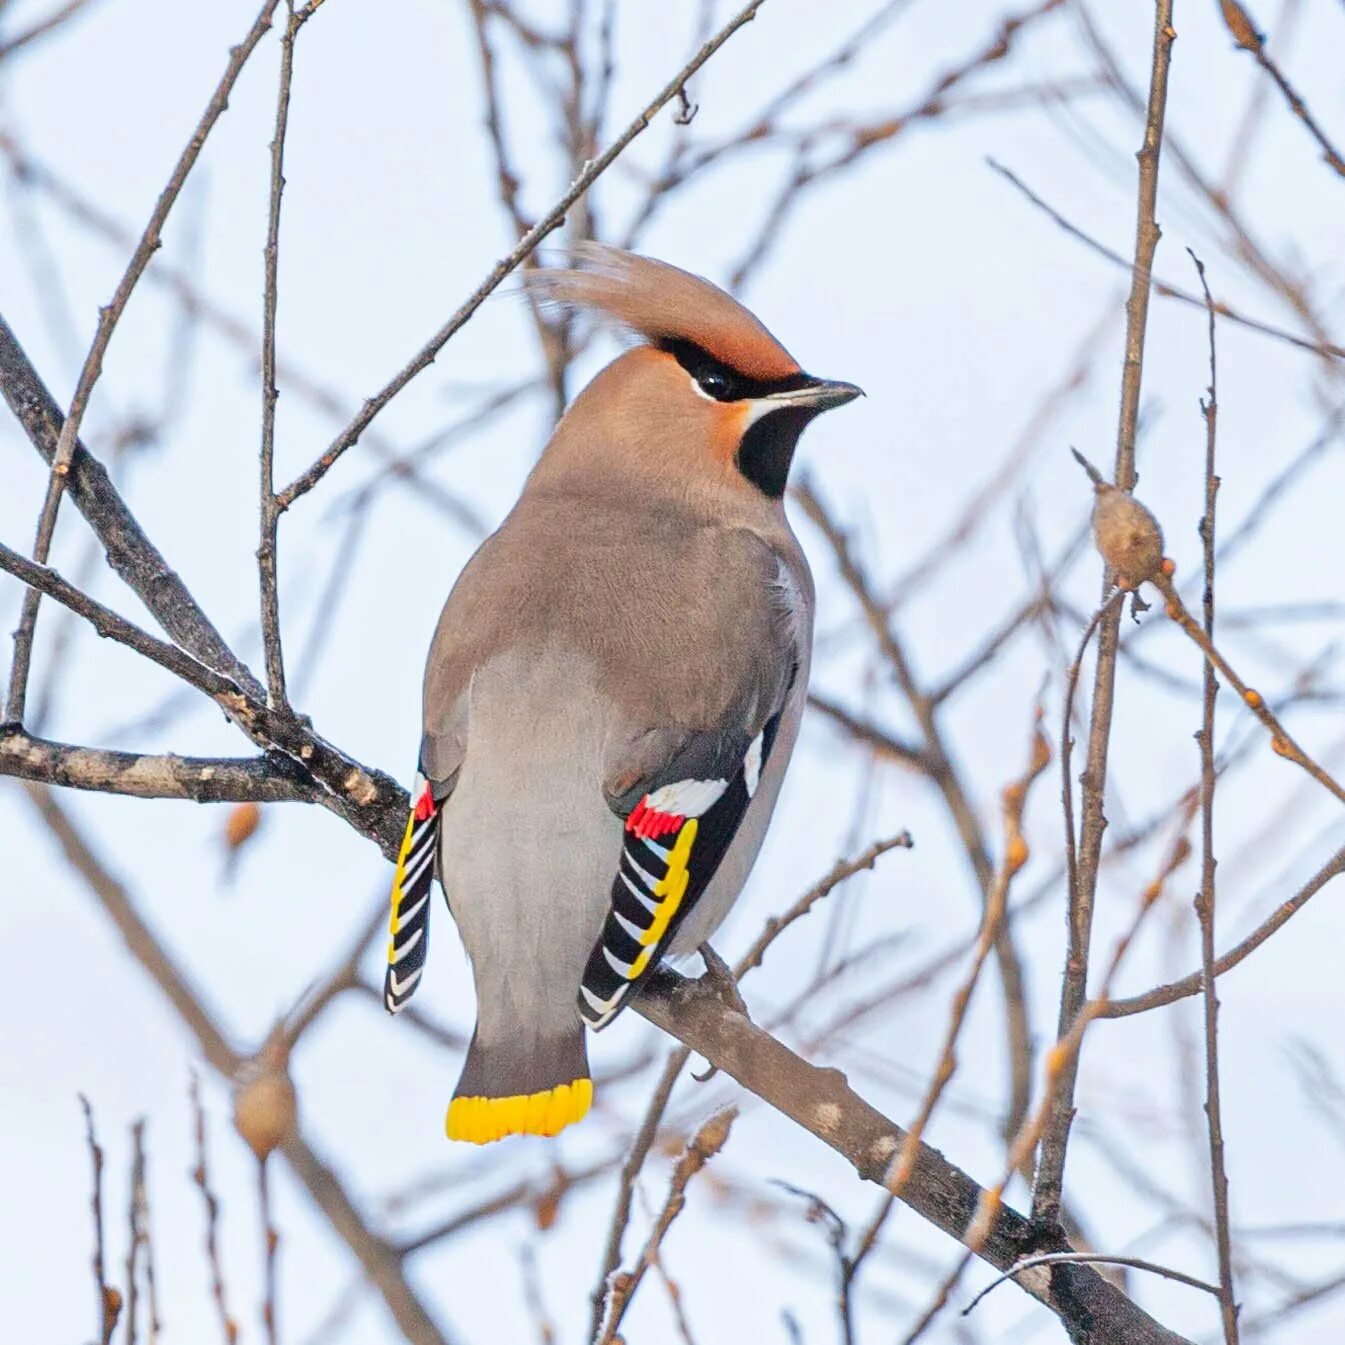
<point x="1046" y="1195"/>
<point x="820" y="1100"/>
<point x="130" y="553"/>
<point x="269" y="777"/>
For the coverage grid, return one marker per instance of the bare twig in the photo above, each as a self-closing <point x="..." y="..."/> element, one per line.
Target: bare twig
<point x="1161" y="287"/>
<point x="842" y="870"/>
<point x="137" y="1234"/>
<point x="1245" y="35"/>
<point x="1013" y="801"/>
<point x="1193" y="984"/>
<point x="1281" y="742"/>
<point x="129" y="552"/>
<point x="270" y="1245"/>
<point x="526" y="246"/>
<point x="708" y="1141"/>
<point x="48" y="23"/>
<point x="201" y="1176"/>
<point x="1046" y="1194"/>
<point x="1209" y="408"/>
<point x="642" y="1143"/>
<point x="819" y="1212"/>
<point x="109" y="1298"/>
<point x="108" y="317"/>
<point x="1092" y="1258"/>
<point x="268" y="507"/>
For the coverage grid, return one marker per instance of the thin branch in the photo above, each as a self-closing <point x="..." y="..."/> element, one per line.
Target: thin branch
<point x="881" y="741"/>
<point x="381" y="1262"/>
<point x="1092" y="1258"/>
<point x="1190" y="985"/>
<point x="129" y="552"/>
<point x="108" y="317"/>
<point x="1205" y="898"/>
<point x="842" y="870"/>
<point x="1244" y="33"/>
<point x="526" y="246"/>
<point x="140" y="1195"/>
<point x="708" y="1141"/>
<point x="642" y="1143"/>
<point x="822" y="1102"/>
<point x="1013" y="801"/>
<point x="269" y="778"/>
<point x="1281" y="742"/>
<point x="49" y="23"/>
<point x="1161" y="287"/>
<point x="109" y="1298"/>
<point x="268" y="508"/>
<point x="539" y="1195"/>
<point x="350" y="787"/>
<point x="201" y="1176"/>
<point x="1046" y="1194"/>
<point x="270" y="1245"/>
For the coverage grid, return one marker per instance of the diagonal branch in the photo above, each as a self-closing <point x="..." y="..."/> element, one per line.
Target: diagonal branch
<point x="351" y="789"/>
<point x="108" y="317"/>
<point x="129" y="552"/>
<point x="380" y="1260"/>
<point x="822" y="1102"/>
<point x="525" y="247"/>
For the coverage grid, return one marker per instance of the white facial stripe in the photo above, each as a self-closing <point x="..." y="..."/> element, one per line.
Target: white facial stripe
<point x="758" y="407"/>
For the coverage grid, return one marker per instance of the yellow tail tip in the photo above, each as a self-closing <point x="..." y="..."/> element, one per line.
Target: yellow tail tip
<point x="479" y="1120"/>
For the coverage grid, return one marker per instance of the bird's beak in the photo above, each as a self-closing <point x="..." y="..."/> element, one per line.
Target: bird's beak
<point x="818" y="394"/>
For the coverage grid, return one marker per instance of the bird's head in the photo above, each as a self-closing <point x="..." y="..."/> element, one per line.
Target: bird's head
<point x="710" y="394"/>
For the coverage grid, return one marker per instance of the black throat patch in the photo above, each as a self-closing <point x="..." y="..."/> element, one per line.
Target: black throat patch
<point x="767" y="450"/>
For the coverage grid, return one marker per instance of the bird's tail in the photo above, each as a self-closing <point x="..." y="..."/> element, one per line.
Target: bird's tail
<point x="521" y="1086"/>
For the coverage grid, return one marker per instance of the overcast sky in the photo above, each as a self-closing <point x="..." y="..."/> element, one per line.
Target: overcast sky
<point x="922" y="276"/>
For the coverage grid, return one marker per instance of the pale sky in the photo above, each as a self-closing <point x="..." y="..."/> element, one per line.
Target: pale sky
<point x="919" y="274"/>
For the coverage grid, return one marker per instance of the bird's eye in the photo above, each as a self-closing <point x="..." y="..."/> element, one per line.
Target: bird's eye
<point x="716" y="383"/>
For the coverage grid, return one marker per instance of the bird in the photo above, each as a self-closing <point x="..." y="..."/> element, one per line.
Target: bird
<point x="613" y="690"/>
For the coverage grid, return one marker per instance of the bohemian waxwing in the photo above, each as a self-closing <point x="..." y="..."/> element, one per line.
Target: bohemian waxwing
<point x="613" y="691"/>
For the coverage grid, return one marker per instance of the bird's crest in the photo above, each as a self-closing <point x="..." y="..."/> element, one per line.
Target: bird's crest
<point x="665" y="305"/>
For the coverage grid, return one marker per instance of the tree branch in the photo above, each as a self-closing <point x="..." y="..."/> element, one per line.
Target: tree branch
<point x="1046" y="1193"/>
<point x="129" y="552"/>
<point x="822" y="1102"/>
<point x="108" y="318"/>
<point x="269" y="778"/>
<point x="526" y="246"/>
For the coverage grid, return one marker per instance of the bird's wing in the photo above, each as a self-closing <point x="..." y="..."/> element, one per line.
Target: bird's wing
<point x="680" y="818"/>
<point x="441" y="754"/>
